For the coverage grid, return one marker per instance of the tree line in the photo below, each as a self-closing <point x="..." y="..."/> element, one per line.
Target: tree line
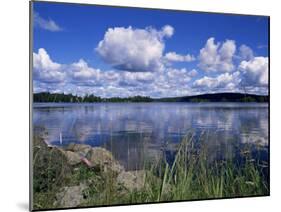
<point x="89" y="98"/>
<point x="70" y="98"/>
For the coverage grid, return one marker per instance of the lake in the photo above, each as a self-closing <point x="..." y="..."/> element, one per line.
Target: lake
<point x="139" y="132"/>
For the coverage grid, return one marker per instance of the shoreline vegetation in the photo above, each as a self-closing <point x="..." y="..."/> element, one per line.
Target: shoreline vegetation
<point x="216" y="97"/>
<point x="79" y="175"/>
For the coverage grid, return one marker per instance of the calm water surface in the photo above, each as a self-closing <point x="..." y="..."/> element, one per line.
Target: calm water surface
<point x="135" y="132"/>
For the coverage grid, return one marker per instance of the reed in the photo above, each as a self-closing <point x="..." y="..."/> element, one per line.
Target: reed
<point x="191" y="176"/>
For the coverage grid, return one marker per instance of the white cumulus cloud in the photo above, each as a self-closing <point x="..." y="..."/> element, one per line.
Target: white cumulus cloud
<point x="224" y="82"/>
<point x="136" y="50"/>
<point x="217" y="56"/>
<point x="245" y="52"/>
<point x="192" y="73"/>
<point x="81" y="71"/>
<point x="174" y="57"/>
<point x="167" y="30"/>
<point x="45" y="69"/>
<point x="80" y="78"/>
<point x="255" y="71"/>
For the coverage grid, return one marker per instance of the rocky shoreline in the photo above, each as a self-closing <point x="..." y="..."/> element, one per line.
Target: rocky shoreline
<point x="80" y="175"/>
<point x="56" y="167"/>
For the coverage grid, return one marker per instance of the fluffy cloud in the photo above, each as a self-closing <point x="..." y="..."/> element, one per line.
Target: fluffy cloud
<point x="178" y="76"/>
<point x="217" y="56"/>
<point x="81" y="71"/>
<point x="255" y="71"/>
<point x="80" y="78"/>
<point x="136" y="50"/>
<point x="224" y="82"/>
<point x="192" y="73"/>
<point x="245" y="52"/>
<point x="49" y="25"/>
<point x="45" y="69"/>
<point x="174" y="57"/>
<point x="135" y="79"/>
<point x="167" y="31"/>
<point x="147" y="71"/>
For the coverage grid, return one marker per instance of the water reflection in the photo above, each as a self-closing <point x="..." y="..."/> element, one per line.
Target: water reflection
<point x="136" y="132"/>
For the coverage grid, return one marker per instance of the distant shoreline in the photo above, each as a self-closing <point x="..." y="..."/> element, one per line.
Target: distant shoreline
<point x="46" y="97"/>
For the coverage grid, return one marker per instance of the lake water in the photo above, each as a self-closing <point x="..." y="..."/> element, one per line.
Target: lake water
<point x="135" y="132"/>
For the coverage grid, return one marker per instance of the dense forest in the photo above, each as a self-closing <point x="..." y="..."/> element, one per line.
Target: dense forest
<point x="218" y="97"/>
<point x="60" y="97"/>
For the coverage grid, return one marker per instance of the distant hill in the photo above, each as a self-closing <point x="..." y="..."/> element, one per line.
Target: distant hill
<point x="216" y="97"/>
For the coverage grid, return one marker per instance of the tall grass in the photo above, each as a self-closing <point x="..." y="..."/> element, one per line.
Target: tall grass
<point x="192" y="176"/>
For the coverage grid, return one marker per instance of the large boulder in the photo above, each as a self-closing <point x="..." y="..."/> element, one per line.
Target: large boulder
<point x="72" y="157"/>
<point x="79" y="148"/>
<point x="99" y="158"/>
<point x="71" y="196"/>
<point x="132" y="180"/>
<point x="103" y="159"/>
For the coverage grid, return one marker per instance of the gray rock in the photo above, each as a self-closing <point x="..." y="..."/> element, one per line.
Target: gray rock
<point x="100" y="156"/>
<point x="132" y="180"/>
<point x="70" y="196"/>
<point x="79" y="148"/>
<point x="103" y="159"/>
<point x="72" y="157"/>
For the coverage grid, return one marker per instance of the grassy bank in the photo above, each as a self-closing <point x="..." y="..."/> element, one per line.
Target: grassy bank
<point x="190" y="176"/>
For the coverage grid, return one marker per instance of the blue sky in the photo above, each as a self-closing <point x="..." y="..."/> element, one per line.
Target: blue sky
<point x="112" y="51"/>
